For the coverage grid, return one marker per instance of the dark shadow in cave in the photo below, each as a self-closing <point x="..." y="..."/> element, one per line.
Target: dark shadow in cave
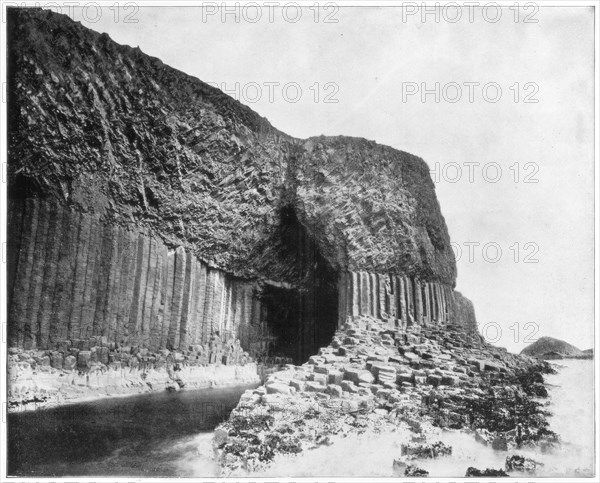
<point x="302" y="318"/>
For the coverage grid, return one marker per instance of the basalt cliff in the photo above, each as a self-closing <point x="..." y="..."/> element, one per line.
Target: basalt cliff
<point x="150" y="211"/>
<point x="163" y="235"/>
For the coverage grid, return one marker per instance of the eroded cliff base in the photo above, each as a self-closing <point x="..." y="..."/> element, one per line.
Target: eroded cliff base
<point x="45" y="379"/>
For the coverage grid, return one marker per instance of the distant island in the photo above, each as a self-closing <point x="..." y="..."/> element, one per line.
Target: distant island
<point x="549" y="348"/>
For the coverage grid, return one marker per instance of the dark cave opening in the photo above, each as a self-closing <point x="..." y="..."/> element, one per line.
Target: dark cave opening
<point x="302" y="316"/>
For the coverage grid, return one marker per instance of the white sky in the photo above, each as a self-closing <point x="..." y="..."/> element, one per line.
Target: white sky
<point x="369" y="55"/>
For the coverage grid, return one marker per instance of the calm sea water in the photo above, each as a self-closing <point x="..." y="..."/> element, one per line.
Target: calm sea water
<point x="166" y="434"/>
<point x="147" y="435"/>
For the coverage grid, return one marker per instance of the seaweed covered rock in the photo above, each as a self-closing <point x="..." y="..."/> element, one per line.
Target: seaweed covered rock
<point x="431" y="450"/>
<point x="493" y="404"/>
<point x="474" y="472"/>
<point x="521" y="464"/>
<point x="415" y="471"/>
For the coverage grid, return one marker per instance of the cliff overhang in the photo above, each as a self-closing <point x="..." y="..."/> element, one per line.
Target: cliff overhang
<point x="176" y="204"/>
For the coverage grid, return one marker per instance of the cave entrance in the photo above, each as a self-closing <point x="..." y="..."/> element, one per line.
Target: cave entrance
<point x="301" y="316"/>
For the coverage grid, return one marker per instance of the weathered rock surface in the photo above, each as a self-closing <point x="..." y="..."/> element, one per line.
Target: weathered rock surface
<point x="151" y="208"/>
<point x="36" y="380"/>
<point x="495" y="402"/>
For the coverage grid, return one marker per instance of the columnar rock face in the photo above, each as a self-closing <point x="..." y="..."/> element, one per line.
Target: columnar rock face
<point x="149" y="207"/>
<point x="390" y="297"/>
<point x="120" y="283"/>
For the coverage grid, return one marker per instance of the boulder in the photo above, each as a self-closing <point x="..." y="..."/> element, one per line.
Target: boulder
<point x="474" y="472"/>
<point x="434" y="380"/>
<point x="377" y="358"/>
<point x="411" y="356"/>
<point x="318" y="378"/>
<point x="349" y="405"/>
<point x="387" y="371"/>
<point x="420" y="380"/>
<point x="57" y="360"/>
<point x="450" y="380"/>
<point x="84" y="360"/>
<point x="413" y="423"/>
<point x="70" y="363"/>
<point x="411" y="471"/>
<point x="172" y="386"/>
<point x="334" y="390"/>
<point x="321" y="369"/>
<point x="425" y="450"/>
<point x="103" y="354"/>
<point x="299" y="386"/>
<point x="335" y="377"/>
<point x="94" y="354"/>
<point x="43" y="361"/>
<point x="521" y="464"/>
<point x="366" y="376"/>
<point x="351" y="374"/>
<point x="349" y="386"/>
<point x="404" y="377"/>
<point x="63" y="346"/>
<point x="312" y="386"/>
<point x="491" y="366"/>
<point x="279" y="388"/>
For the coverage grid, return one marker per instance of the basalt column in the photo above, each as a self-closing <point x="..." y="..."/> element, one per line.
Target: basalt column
<point x="405" y="300"/>
<point x="80" y="278"/>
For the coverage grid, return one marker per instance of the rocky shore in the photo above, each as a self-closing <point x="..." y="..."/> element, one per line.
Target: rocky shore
<point x="375" y="378"/>
<point x="94" y="368"/>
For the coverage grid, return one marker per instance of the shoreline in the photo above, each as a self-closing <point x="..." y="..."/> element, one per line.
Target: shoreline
<point x="373" y="376"/>
<point x="346" y="427"/>
<point x="34" y="390"/>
